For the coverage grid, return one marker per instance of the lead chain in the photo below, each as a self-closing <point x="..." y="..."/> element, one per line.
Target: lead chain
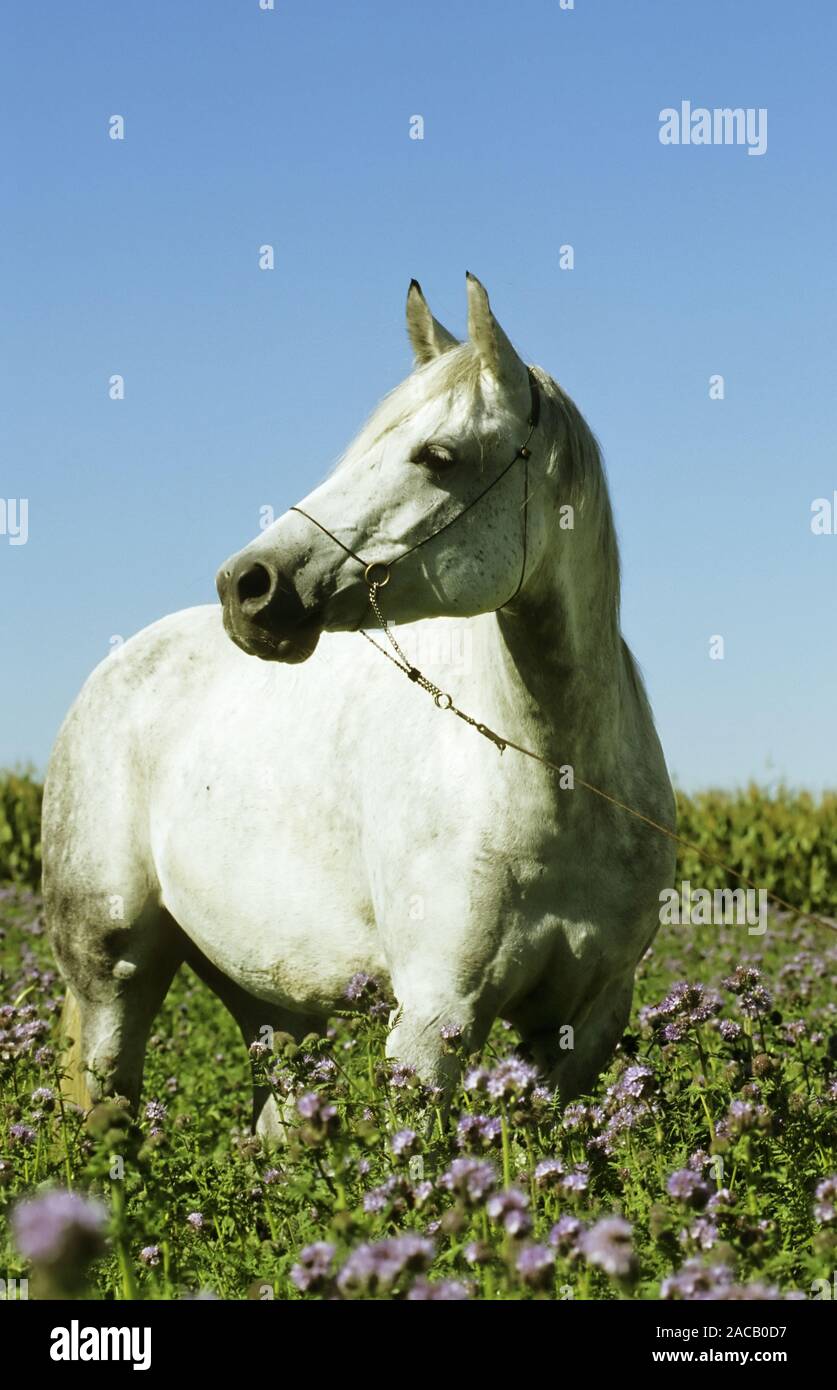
<point x="440" y="697"/>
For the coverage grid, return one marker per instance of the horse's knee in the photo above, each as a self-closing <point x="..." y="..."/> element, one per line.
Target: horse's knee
<point x="434" y="1043"/>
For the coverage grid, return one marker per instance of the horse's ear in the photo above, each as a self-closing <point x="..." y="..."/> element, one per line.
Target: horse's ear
<point x="428" y="337"/>
<point x="489" y="340"/>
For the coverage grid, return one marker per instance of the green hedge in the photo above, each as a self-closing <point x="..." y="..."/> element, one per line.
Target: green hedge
<point x="785" y="842"/>
<point x="20" y="828"/>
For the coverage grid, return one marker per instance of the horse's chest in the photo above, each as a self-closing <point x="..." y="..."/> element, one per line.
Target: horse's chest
<point x="489" y="862"/>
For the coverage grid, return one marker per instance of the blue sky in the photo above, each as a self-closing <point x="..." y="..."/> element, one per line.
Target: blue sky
<point x="291" y="127"/>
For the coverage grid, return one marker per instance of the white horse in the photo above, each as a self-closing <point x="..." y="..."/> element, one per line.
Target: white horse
<point x="283" y="824"/>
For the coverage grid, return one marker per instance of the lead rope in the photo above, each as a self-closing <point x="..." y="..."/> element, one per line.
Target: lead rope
<point x="444" y="701"/>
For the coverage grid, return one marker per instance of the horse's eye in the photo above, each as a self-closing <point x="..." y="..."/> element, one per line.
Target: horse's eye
<point x="435" y="456"/>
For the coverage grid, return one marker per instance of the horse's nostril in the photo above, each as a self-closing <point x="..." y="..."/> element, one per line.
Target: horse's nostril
<point x="254" y="583"/>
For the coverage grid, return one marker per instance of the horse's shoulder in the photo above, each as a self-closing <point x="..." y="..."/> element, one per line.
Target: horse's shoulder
<point x="152" y="658"/>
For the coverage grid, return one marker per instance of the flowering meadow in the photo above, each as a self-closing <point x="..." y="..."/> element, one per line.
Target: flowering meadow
<point x="703" y="1166"/>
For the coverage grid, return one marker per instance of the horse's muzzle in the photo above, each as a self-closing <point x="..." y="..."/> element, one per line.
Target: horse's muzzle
<point x="263" y="613"/>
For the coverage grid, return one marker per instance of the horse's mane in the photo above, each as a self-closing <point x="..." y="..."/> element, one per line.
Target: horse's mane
<point x="576" y="460"/>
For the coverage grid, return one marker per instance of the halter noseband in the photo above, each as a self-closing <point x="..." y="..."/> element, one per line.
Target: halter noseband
<point x="376" y="573"/>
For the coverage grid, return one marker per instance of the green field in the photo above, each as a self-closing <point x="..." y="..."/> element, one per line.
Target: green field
<point x="706" y="1150"/>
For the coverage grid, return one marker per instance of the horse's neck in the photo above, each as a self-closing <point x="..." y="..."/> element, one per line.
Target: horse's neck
<point x="556" y="672"/>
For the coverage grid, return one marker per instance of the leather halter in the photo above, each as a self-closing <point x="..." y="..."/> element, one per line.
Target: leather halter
<point x="377" y="572"/>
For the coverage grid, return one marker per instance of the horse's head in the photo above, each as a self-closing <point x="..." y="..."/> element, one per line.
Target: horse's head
<point x="404" y="495"/>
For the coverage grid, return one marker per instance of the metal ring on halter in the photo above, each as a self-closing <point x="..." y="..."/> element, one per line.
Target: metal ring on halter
<point x="369" y="577"/>
<point x="442" y="701"/>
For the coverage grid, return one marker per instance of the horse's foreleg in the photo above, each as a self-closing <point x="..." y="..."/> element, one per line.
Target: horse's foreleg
<point x="257" y="1022"/>
<point x="434" y="1040"/>
<point x="573" y="1058"/>
<point x="118" y="976"/>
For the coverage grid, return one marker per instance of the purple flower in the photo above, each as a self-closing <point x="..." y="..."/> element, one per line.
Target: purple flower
<point x="608" y="1245"/>
<point x="401" y="1075"/>
<point x="744" y="977"/>
<point x="755" y="1002"/>
<point x="477" y="1252"/>
<point x="549" y="1172"/>
<point x="480" y="1131"/>
<point x="730" y="1031"/>
<point x="637" y="1082"/>
<point x="509" y="1208"/>
<point x="309" y="1104"/>
<point x="403" y="1143"/>
<point x="577" y="1180"/>
<point x="375" y="1268"/>
<point x="583" y="1118"/>
<point x="313" y="1270"/>
<point x="476" y="1079"/>
<point x="362" y="988"/>
<point x="620" y="1122"/>
<point x="566" y="1234"/>
<point x="150" y="1256"/>
<point x="60" y="1228"/>
<point x="743" y="1116"/>
<point x="720" y="1202"/>
<point x="320" y="1117"/>
<point x="746" y="982"/>
<point x="24" y="1135"/>
<point x="745" y="1293"/>
<point x="397" y="1194"/>
<point x="685" y="1006"/>
<point x="511" y="1078"/>
<point x="196" y="1220"/>
<point x="471" y="1178"/>
<point x="379" y="1198"/>
<point x="322" y="1069"/>
<point x="535" y="1264"/>
<point x="795" y="1031"/>
<point x="703" y="1232"/>
<point x="688" y="1186"/>
<point x="156" y="1111"/>
<point x="696" y="1281"/>
<point x="825" y="1208"/>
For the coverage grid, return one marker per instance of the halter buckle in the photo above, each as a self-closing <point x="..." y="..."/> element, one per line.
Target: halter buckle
<point x="369" y="574"/>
